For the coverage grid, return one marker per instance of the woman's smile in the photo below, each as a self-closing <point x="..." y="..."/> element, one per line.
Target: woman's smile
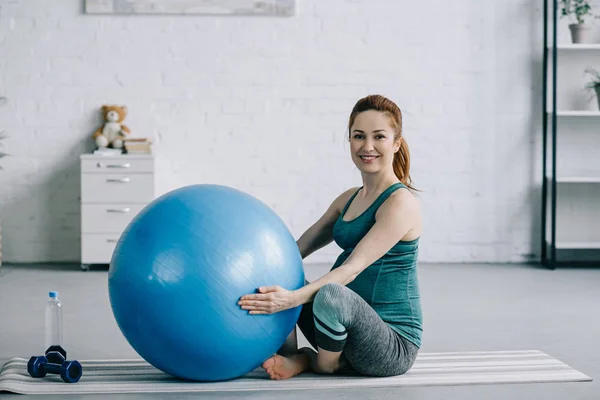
<point x="368" y="159"/>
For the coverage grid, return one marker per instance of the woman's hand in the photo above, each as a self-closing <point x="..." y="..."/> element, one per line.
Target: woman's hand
<point x="269" y="300"/>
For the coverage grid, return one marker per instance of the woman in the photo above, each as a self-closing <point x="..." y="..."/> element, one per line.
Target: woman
<point x="364" y="316"/>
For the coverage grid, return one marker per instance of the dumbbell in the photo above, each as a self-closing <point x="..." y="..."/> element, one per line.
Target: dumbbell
<point x="69" y="371"/>
<point x="56" y="360"/>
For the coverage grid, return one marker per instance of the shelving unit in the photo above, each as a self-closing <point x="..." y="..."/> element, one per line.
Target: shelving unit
<point x="551" y="177"/>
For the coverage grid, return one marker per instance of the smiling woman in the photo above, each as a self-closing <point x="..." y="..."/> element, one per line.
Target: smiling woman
<point x="376" y="132"/>
<point x="364" y="316"/>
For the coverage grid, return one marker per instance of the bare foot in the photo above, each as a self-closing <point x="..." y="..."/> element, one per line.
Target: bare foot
<point x="279" y="367"/>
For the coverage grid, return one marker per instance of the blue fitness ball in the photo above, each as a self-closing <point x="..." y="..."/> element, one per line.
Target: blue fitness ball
<point x="181" y="266"/>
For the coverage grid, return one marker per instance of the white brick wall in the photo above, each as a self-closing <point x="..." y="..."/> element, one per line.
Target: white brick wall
<point x="261" y="104"/>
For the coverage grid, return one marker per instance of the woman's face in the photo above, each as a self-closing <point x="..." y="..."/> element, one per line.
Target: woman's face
<point x="372" y="142"/>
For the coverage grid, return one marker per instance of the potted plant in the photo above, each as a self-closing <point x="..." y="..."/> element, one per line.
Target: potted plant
<point x="578" y="10"/>
<point x="594" y="83"/>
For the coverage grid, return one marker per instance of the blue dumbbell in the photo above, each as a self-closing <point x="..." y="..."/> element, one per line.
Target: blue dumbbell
<point x="51" y="351"/>
<point x="69" y="371"/>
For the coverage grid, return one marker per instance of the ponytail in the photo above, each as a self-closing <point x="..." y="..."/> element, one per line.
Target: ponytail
<point x="401" y="165"/>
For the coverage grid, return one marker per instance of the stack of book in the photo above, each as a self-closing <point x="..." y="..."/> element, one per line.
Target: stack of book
<point x="138" y="145"/>
<point x="105" y="151"/>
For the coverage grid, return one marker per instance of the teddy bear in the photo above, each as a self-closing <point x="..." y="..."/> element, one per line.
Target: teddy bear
<point x="113" y="131"/>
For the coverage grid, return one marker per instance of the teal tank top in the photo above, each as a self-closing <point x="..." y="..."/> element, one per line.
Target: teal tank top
<point x="389" y="285"/>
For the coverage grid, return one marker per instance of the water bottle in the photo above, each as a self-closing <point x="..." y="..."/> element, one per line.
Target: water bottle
<point x="54" y="331"/>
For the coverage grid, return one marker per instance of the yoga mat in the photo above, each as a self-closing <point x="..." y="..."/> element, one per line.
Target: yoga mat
<point x="429" y="369"/>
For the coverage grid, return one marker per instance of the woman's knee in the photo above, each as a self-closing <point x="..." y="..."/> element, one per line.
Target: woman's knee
<point x="331" y="304"/>
<point x="330" y="295"/>
<point x="329" y="318"/>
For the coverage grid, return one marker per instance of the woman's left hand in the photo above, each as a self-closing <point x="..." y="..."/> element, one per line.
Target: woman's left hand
<point x="269" y="300"/>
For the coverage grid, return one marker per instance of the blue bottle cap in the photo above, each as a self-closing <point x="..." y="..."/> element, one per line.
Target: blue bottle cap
<point x="53" y="294"/>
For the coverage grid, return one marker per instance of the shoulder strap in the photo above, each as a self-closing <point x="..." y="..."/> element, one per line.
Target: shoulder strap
<point x="386" y="193"/>
<point x="350" y="201"/>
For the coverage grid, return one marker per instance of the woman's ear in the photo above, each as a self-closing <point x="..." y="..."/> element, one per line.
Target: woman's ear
<point x="397" y="145"/>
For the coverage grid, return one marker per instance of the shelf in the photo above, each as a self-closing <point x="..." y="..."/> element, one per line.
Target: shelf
<point x="575" y="113"/>
<point x="578" y="245"/>
<point x="571" y="46"/>
<point x="578" y="182"/>
<point x="576" y="179"/>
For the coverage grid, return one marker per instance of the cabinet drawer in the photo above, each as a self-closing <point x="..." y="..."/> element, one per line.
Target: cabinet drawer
<point x="107" y="218"/>
<point x="98" y="248"/>
<point x="117" y="188"/>
<point x="117" y="164"/>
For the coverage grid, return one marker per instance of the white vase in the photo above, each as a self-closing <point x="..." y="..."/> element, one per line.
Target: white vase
<point x="580" y="33"/>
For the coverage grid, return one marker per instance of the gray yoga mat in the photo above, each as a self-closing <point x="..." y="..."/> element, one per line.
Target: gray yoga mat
<point x="453" y="368"/>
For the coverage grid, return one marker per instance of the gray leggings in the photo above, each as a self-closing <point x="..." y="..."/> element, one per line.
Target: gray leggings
<point x="340" y="320"/>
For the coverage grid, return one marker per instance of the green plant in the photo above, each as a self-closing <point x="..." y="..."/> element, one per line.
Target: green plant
<point x="578" y="8"/>
<point x="594" y="83"/>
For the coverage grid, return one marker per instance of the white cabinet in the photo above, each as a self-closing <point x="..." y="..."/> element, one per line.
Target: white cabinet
<point x="114" y="189"/>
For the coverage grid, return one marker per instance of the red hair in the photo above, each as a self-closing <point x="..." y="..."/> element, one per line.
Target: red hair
<point x="401" y="163"/>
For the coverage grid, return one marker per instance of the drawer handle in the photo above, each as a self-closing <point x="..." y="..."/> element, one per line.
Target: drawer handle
<point x="102" y="165"/>
<point x="111" y="240"/>
<point x="120" y="180"/>
<point x="118" y="210"/>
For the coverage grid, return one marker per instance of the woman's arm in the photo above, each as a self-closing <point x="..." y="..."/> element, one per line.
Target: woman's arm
<point x="270" y="299"/>
<point x="395" y="218"/>
<point x="320" y="234"/>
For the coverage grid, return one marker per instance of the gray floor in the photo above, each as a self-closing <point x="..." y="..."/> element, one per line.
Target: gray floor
<point x="466" y="307"/>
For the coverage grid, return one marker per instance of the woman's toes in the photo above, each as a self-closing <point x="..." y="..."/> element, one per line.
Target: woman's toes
<point x="269" y="364"/>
